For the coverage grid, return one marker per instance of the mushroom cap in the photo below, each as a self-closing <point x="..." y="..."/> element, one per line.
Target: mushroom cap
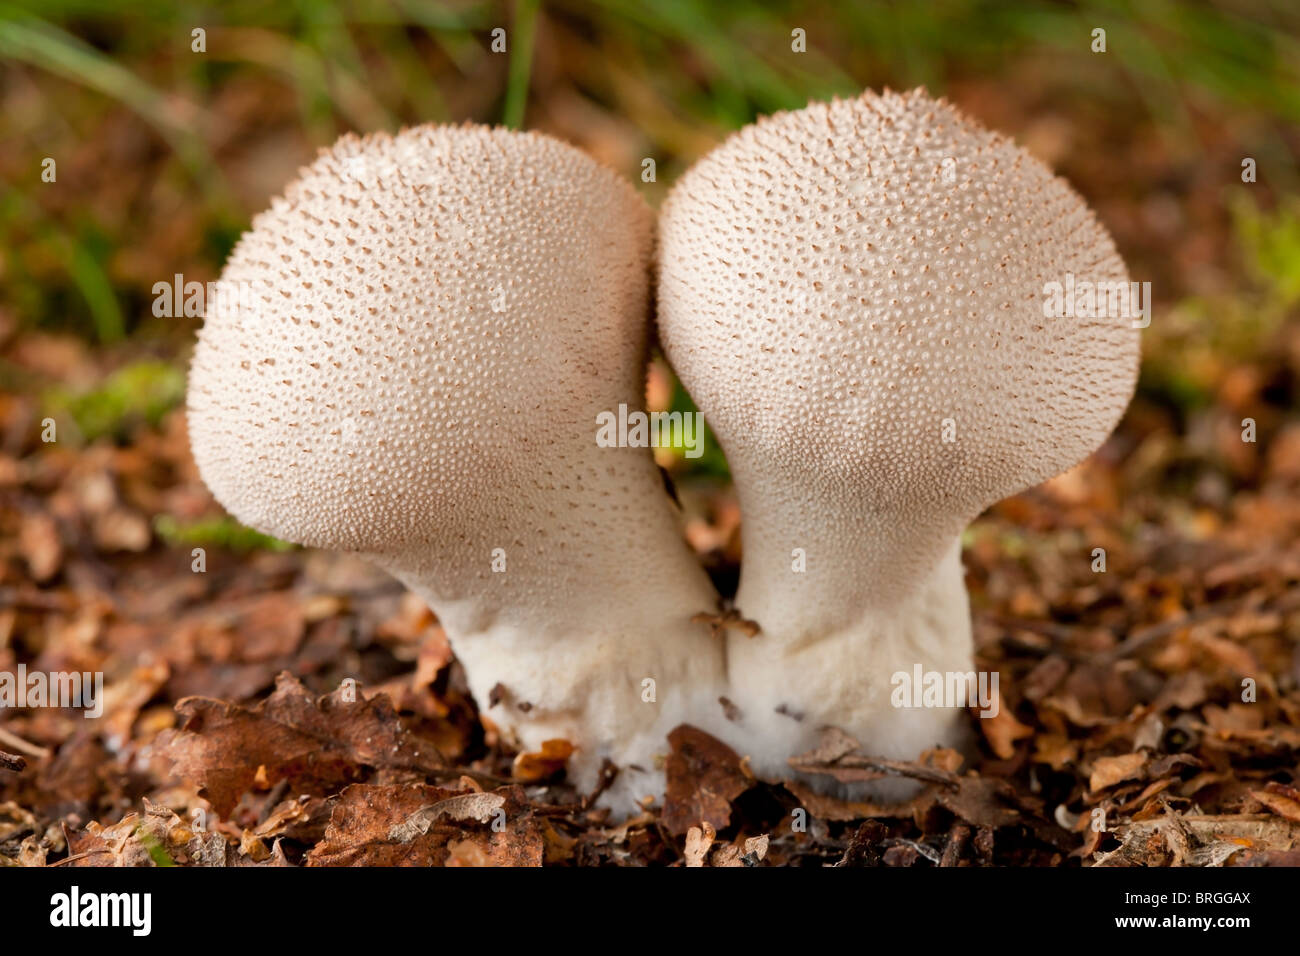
<point x="836" y="281"/>
<point x="432" y="321"/>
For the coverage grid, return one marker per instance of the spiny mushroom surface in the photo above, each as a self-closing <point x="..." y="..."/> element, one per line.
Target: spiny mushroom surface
<point x="437" y="319"/>
<point x="853" y="294"/>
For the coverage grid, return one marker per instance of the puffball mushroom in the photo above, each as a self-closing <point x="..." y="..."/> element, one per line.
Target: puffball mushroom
<point x="853" y="293"/>
<point x="436" y="321"/>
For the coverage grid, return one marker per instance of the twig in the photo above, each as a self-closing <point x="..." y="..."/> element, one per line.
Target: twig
<point x="17" y="743"/>
<point x="1146" y="636"/>
<point x="874" y="767"/>
<point x="1053" y="630"/>
<point x="455" y="773"/>
<point x="81" y="856"/>
<point x="274" y="797"/>
<point x="35" y="600"/>
<point x="1142" y="638"/>
<point x="608" y="771"/>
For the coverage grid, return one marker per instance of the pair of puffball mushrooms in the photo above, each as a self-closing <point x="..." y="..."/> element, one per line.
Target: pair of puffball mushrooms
<point x="440" y="316"/>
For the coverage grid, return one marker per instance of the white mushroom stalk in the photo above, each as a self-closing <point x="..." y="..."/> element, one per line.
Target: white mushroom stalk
<point x="853" y="293"/>
<point x="437" y="319"/>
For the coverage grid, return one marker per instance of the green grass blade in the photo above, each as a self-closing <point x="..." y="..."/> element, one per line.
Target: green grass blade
<point x="521" y="62"/>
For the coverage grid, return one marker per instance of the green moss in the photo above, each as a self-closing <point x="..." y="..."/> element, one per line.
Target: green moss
<point x="141" y="393"/>
<point x="1269" y="243"/>
<point x="157" y="852"/>
<point x="220" y="532"/>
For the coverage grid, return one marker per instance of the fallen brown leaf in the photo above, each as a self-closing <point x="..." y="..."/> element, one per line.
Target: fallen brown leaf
<point x="1281" y="799"/>
<point x="422" y="825"/>
<point x="698" y="841"/>
<point x="317" y="745"/>
<point x="1002" y="730"/>
<point x="38" y="539"/>
<point x="1108" y="771"/>
<point x="543" y="764"/>
<point x="704" y="776"/>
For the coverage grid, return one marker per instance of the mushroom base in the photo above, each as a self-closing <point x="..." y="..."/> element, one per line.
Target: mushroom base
<point x="789" y="688"/>
<point x="599" y="684"/>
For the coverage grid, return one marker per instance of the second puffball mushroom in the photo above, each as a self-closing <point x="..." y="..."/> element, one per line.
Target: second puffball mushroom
<point x="853" y="295"/>
<point x="417" y="342"/>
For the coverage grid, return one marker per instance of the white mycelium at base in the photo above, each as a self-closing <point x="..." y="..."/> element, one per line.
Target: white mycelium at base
<point x="440" y="316"/>
<point x="852" y="293"/>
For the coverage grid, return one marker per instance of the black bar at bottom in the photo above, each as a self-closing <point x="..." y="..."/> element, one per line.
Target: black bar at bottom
<point x="331" y="906"/>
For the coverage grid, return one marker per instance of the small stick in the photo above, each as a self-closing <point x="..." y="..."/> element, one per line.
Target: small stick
<point x="875" y="767"/>
<point x="455" y="773"/>
<point x="1288" y="600"/>
<point x="17" y="743"/>
<point x="608" y="771"/>
<point x="274" y="797"/>
<point x="82" y="856"/>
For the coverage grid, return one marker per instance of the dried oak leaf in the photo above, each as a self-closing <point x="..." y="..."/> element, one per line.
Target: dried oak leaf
<point x="1281" y="799"/>
<point x="318" y="745"/>
<point x="535" y="766"/>
<point x="1002" y="730"/>
<point x="747" y="852"/>
<point x="269" y="626"/>
<point x="302" y="819"/>
<point x="477" y="805"/>
<point x="422" y="825"/>
<point x="1108" y="771"/>
<point x="120" y="529"/>
<point x="74" y="777"/>
<point x="698" y="841"/>
<point x="123" y="700"/>
<point x="981" y="801"/>
<point x="38" y="542"/>
<point x="703" y="776"/>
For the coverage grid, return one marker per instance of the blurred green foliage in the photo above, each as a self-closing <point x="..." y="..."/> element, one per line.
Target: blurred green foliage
<point x="1270" y="246"/>
<point x="222" y="532"/>
<point x="1189" y="345"/>
<point x="139" y="393"/>
<point x="712" y="462"/>
<point x="157" y="852"/>
<point x="683" y="71"/>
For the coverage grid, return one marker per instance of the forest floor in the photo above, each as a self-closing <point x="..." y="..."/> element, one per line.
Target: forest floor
<point x="1149" y="714"/>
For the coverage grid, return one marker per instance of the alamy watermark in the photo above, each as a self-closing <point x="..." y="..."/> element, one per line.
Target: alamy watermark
<point x="133" y="911"/>
<point x="922" y="688"/>
<point x="1084" y="299"/>
<point x="82" y="690"/>
<point x="194" y="299"/>
<point x="638" y="429"/>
